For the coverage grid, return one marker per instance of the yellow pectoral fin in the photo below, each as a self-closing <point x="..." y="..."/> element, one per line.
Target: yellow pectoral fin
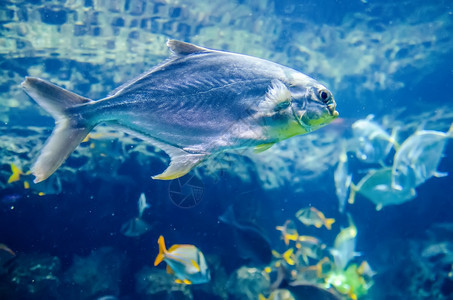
<point x="26" y="185"/>
<point x="263" y="147"/>
<point x="170" y="270"/>
<point x="179" y="281"/>
<point x="318" y="225"/>
<point x="187" y="281"/>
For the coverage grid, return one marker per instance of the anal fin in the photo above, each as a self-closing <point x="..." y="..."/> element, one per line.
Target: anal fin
<point x="181" y="163"/>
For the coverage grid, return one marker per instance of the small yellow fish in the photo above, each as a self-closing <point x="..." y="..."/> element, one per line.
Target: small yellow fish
<point x="289" y="231"/>
<point x="315" y="272"/>
<point x="346" y="234"/>
<point x="312" y="216"/>
<point x="344" y="246"/>
<point x="309" y="246"/>
<point x="186" y="262"/>
<point x="365" y="270"/>
<point x="287" y="256"/>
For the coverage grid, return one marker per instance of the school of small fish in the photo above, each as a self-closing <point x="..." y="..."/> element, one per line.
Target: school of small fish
<point x="306" y="259"/>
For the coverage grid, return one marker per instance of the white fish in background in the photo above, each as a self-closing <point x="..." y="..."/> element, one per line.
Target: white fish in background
<point x="376" y="185"/>
<point x="418" y="158"/>
<point x="342" y="180"/>
<point x="137" y="226"/>
<point x="142" y="205"/>
<point x="372" y="143"/>
<point x="344" y="247"/>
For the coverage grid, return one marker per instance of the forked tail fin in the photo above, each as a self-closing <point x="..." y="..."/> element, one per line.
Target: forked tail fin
<point x="68" y="132"/>
<point x="162" y="250"/>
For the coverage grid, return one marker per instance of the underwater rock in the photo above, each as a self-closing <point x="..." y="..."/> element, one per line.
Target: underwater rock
<point x="95" y="275"/>
<point x="158" y="284"/>
<point x="422" y="267"/>
<point x="247" y="283"/>
<point x="32" y="276"/>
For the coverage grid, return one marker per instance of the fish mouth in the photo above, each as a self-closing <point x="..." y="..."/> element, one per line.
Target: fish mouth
<point x="311" y="117"/>
<point x="331" y="107"/>
<point x="309" y="124"/>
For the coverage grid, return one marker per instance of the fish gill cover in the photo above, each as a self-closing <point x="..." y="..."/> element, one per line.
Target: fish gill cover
<point x="77" y="235"/>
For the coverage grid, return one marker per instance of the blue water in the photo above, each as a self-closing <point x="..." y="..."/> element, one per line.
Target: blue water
<point x="393" y="60"/>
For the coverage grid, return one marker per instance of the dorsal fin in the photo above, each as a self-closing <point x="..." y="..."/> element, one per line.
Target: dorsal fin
<point x="183" y="48"/>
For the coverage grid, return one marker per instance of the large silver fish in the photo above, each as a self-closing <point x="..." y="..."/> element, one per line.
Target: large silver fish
<point x="197" y="103"/>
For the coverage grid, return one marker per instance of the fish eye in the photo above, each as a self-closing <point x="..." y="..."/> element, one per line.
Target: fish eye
<point x="324" y="95"/>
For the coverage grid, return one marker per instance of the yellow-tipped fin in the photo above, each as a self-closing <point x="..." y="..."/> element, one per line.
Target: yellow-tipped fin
<point x="450" y="131"/>
<point x="329" y="223"/>
<point x="179" y="281"/>
<point x="16" y="174"/>
<point x="162" y="251"/>
<point x="26" y="185"/>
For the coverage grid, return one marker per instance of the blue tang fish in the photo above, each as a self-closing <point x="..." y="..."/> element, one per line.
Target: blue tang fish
<point x="197" y="103"/>
<point x="186" y="262"/>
